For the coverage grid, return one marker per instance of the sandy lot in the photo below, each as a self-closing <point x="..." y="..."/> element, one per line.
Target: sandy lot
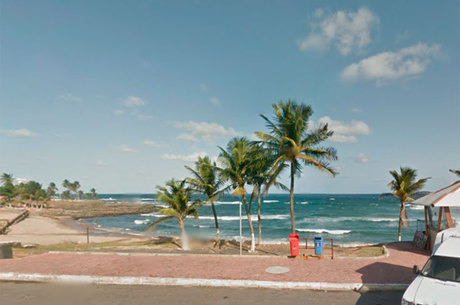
<point x="44" y="230"/>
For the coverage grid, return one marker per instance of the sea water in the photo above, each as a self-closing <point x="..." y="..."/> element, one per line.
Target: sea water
<point x="351" y="219"/>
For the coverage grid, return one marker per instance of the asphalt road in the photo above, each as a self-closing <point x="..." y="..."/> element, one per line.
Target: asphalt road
<point x="54" y="294"/>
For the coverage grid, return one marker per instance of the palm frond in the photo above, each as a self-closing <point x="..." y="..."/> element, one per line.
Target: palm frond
<point x="154" y="224"/>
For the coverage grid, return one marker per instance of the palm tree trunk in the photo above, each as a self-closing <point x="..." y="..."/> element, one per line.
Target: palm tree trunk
<point x="292" y="198"/>
<point x="401" y="211"/>
<point x="251" y="228"/>
<point x="184" y="237"/>
<point x="215" y="221"/>
<point x="259" y="222"/>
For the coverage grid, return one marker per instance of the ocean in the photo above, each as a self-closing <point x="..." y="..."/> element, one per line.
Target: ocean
<point x="350" y="219"/>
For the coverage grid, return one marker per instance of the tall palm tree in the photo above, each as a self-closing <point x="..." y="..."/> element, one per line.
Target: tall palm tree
<point x="205" y="179"/>
<point x="236" y="164"/>
<point x="262" y="177"/>
<point x="292" y="142"/>
<point x="404" y="187"/>
<point x="179" y="197"/>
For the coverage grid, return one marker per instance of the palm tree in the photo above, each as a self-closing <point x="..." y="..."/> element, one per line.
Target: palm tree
<point x="236" y="165"/>
<point x="292" y="143"/>
<point x="455" y="171"/>
<point x="51" y="190"/>
<point x="7" y="189"/>
<point x="205" y="180"/>
<point x="6" y="179"/>
<point x="404" y="187"/>
<point x="74" y="186"/>
<point x="93" y="193"/>
<point x="67" y="185"/>
<point x="179" y="197"/>
<point x="262" y="177"/>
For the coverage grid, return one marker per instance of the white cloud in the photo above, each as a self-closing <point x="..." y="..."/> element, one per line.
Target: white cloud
<point x="356" y="110"/>
<point x="347" y="31"/>
<point x="362" y="158"/>
<point x="152" y="143"/>
<point x="68" y="97"/>
<point x="118" y="112"/>
<point x="187" y="158"/>
<point x="133" y="101"/>
<point x="127" y="149"/>
<point x="203" y="87"/>
<point x="215" y="101"/>
<point x="387" y="66"/>
<point x="204" y="131"/>
<point x="18" y="133"/>
<point x="345" y="132"/>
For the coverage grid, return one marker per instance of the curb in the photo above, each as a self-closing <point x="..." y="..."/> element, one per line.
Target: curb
<point x="162" y="281"/>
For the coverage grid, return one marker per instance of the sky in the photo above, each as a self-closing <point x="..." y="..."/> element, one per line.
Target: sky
<point x="120" y="95"/>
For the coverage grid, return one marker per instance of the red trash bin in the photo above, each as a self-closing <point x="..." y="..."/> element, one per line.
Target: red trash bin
<point x="294" y="242"/>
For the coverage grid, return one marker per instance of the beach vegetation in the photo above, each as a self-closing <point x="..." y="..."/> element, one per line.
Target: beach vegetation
<point x="179" y="197"/>
<point x="261" y="178"/>
<point x="7" y="188"/>
<point x="30" y="190"/>
<point x="404" y="187"/>
<point x="205" y="179"/>
<point x="52" y="190"/>
<point x="295" y="141"/>
<point x="236" y="162"/>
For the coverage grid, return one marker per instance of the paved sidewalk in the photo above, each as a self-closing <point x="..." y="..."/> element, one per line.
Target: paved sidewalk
<point x="394" y="269"/>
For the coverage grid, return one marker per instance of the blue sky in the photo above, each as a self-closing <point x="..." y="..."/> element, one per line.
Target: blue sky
<point x="120" y="95"/>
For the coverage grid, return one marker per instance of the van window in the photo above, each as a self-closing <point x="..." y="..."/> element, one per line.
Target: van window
<point x="443" y="268"/>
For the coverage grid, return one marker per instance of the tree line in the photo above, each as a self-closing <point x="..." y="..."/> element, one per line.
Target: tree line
<point x="290" y="143"/>
<point x="32" y="190"/>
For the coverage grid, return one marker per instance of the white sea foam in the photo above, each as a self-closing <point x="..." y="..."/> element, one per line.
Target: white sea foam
<point x="304" y="202"/>
<point x="153" y="215"/>
<point x="147" y="199"/>
<point x="141" y="221"/>
<point x="332" y="198"/>
<point x="416" y="207"/>
<point x="271" y="201"/>
<point x="253" y="217"/>
<point x="332" y="232"/>
<point x="226" y="202"/>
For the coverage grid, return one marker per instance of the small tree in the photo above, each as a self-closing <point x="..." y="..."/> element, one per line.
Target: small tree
<point x="179" y="197"/>
<point x="52" y="189"/>
<point x="404" y="187"/>
<point x="7" y="189"/>
<point x="92" y="193"/>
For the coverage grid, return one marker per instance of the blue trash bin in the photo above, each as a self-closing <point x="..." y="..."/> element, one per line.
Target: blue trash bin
<point x="319" y="241"/>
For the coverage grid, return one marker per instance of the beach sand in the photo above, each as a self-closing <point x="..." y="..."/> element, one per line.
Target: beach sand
<point x="45" y="230"/>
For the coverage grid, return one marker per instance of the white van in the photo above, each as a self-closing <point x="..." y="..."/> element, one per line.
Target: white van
<point x="439" y="280"/>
